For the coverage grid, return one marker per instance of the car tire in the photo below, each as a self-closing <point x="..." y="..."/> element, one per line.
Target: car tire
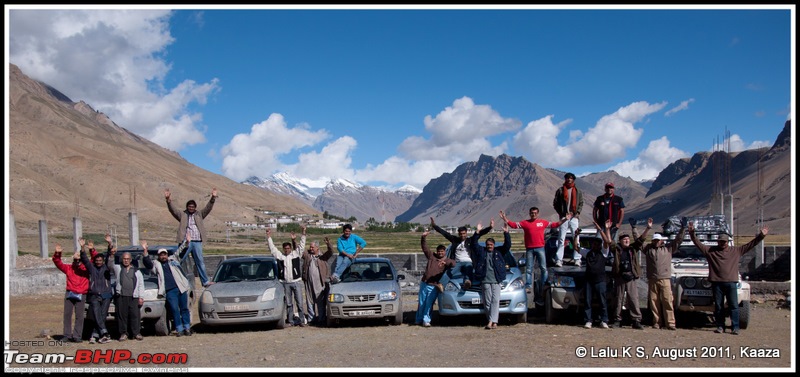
<point x="281" y="323"/>
<point x="398" y="318"/>
<point x="549" y="312"/>
<point x="522" y="318"/>
<point x="744" y="314"/>
<point x="161" y="325"/>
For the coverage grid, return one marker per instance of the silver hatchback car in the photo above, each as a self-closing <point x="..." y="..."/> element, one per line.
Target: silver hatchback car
<point x="369" y="288"/>
<point x="246" y="290"/>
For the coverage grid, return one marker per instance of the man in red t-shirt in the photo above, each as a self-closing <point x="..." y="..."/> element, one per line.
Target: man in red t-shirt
<point x="533" y="229"/>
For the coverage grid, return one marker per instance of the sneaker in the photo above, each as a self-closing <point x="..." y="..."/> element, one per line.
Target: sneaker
<point x="574" y="262"/>
<point x="179" y="334"/>
<point x="92" y="340"/>
<point x="467" y="284"/>
<point x="187" y="332"/>
<point x="719" y="330"/>
<point x="439" y="287"/>
<point x="603" y="325"/>
<point x="208" y="284"/>
<point x="138" y="337"/>
<point x="559" y="264"/>
<point x="637" y="325"/>
<point x="105" y="339"/>
<point x="671" y="328"/>
<point x="123" y="338"/>
<point x="587" y="325"/>
<point x="334" y="279"/>
<point x="616" y="324"/>
<point x="426" y="324"/>
<point x="735" y="332"/>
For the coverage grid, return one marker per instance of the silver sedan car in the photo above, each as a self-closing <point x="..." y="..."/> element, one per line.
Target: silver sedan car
<point x="246" y="290"/>
<point x="369" y="288"/>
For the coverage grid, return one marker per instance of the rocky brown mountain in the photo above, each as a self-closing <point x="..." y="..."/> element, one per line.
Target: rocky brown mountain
<point x="68" y="160"/>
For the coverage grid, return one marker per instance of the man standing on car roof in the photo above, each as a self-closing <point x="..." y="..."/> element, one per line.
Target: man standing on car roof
<point x="658" y="254"/>
<point x="627" y="271"/>
<point x="172" y="284"/>
<point x="568" y="201"/>
<point x="609" y="207"/>
<point x="192" y="223"/>
<point x="723" y="273"/>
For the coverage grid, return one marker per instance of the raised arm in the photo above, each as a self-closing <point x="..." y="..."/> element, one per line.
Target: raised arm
<point x="57" y="259"/>
<point x="328" y="253"/>
<point x="148" y="264"/>
<point x="446" y="234"/>
<point x="172" y="210"/>
<point x="424" y="245"/>
<point x="210" y="203"/>
<point x="272" y="249"/>
<point x="605" y="233"/>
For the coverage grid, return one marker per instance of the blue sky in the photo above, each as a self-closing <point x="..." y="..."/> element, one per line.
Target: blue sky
<point x="389" y="97"/>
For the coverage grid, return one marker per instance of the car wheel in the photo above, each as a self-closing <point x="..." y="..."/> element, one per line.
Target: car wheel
<point x="161" y="325"/>
<point x="522" y="318"/>
<point x="281" y="324"/>
<point x="330" y="322"/>
<point x="744" y="314"/>
<point x="549" y="312"/>
<point x="398" y="318"/>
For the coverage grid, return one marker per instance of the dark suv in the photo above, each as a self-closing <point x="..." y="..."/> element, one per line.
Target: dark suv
<point x="154" y="312"/>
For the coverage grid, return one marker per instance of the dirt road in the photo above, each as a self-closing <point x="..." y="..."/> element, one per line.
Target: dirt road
<point x="463" y="345"/>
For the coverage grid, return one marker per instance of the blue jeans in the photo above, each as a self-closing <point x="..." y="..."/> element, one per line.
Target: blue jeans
<point x="196" y="249"/>
<point x="427" y="296"/>
<point x="341" y="264"/>
<point x="571" y="225"/>
<point x="529" y="254"/>
<point x="598" y="289"/>
<point x="461" y="269"/>
<point x="179" y="305"/>
<point x="726" y="291"/>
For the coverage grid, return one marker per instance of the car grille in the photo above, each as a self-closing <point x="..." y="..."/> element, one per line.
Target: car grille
<point x="361" y="298"/>
<point x="470" y="305"/>
<point x="247" y="314"/>
<point x="233" y="300"/>
<point x="697" y="301"/>
<point x="376" y="308"/>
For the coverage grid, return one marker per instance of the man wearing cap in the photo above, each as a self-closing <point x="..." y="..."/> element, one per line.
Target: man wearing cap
<point x="658" y="254"/>
<point x="723" y="273"/>
<point x="609" y="207"/>
<point x="173" y="285"/>
<point x="567" y="201"/>
<point x="627" y="271"/>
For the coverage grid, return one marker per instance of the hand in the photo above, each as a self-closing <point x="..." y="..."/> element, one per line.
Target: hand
<point x="188" y="237"/>
<point x="327" y="241"/>
<point x="649" y="222"/>
<point x="144" y="247"/>
<point x="608" y="224"/>
<point x="214" y="192"/>
<point x="684" y="221"/>
<point x="425" y="233"/>
<point x="632" y="221"/>
<point x="568" y="216"/>
<point x="577" y="231"/>
<point x="166" y="194"/>
<point x="90" y="243"/>
<point x="294" y="236"/>
<point x="108" y="238"/>
<point x="480" y="226"/>
<point x="58" y="249"/>
<point x="690" y="227"/>
<point x="76" y="256"/>
<point x="81" y="242"/>
<point x="491" y="223"/>
<point x="764" y="230"/>
<point x="304" y="229"/>
<point x="141" y="301"/>
<point x="269" y="233"/>
<point x="433" y="223"/>
<point x="503" y="216"/>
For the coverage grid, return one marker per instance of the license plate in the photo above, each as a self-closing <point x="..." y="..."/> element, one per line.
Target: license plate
<point x="697" y="292"/>
<point x="359" y="313"/>
<point x="234" y="308"/>
<point x="476" y="300"/>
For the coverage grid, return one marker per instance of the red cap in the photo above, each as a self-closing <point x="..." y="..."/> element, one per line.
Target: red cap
<point x="609" y="184"/>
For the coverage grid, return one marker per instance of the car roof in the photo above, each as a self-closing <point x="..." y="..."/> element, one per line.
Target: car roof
<point x="151" y="249"/>
<point x="372" y="259"/>
<point x="256" y="258"/>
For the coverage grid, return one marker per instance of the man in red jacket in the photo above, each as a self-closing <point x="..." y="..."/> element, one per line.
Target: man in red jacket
<point x="75" y="296"/>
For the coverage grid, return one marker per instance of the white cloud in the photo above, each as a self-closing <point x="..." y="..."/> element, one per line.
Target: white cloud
<point x="683" y="106"/>
<point x="606" y="141"/>
<point x="257" y="153"/>
<point x="333" y="160"/>
<point x="397" y="170"/>
<point x="651" y="161"/>
<point x="112" y="60"/>
<point x="738" y="145"/>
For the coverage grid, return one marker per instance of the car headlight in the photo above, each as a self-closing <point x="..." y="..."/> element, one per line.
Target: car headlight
<point x="268" y="295"/>
<point x="150" y="294"/>
<point x="335" y="298"/>
<point x="563" y="282"/>
<point x="705" y="283"/>
<point x="207" y="298"/>
<point x="689" y="282"/>
<point x="387" y="296"/>
<point x="517" y="284"/>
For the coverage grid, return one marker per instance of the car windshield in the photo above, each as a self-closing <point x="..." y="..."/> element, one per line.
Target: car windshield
<point x="368" y="271"/>
<point x="248" y="270"/>
<point x="688" y="251"/>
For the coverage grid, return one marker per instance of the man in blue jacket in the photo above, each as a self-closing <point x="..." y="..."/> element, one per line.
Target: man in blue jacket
<point x="490" y="270"/>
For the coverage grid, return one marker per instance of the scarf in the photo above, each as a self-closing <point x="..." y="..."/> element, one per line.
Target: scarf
<point x="573" y="205"/>
<point x="610" y="209"/>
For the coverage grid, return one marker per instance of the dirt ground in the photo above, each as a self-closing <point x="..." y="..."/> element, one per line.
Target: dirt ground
<point x="464" y="344"/>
